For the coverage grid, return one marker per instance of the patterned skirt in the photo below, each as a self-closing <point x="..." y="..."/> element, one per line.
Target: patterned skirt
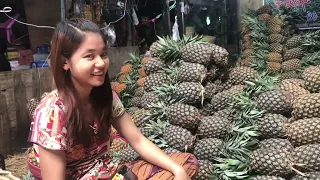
<point x="141" y="168"/>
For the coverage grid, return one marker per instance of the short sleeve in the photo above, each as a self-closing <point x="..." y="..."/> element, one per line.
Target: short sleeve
<point x="117" y="106"/>
<point x="48" y="128"/>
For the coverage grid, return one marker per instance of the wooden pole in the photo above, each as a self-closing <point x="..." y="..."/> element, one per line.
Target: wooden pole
<point x="166" y="17"/>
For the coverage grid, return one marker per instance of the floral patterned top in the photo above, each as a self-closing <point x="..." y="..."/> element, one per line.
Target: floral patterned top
<point x="49" y="131"/>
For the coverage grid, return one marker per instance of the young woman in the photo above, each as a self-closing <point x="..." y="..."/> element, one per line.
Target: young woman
<point x="71" y="128"/>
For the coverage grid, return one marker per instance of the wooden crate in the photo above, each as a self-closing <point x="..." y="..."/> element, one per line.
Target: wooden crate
<point x="16" y="88"/>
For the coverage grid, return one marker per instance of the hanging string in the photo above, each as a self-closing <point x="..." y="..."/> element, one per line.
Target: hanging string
<point x="6" y="10"/>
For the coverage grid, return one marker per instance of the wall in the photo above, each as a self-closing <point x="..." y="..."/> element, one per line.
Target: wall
<point x="45" y="13"/>
<point x="244" y="5"/>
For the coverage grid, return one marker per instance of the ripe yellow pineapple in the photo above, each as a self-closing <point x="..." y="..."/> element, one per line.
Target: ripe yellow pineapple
<point x="127" y="68"/>
<point x="274" y="29"/>
<point x="311" y="78"/>
<point x="275" y="57"/>
<point x="276" y="47"/>
<point x="140" y="81"/>
<point x="273" y="67"/>
<point x="122" y="78"/>
<point x="275" y="38"/>
<point x="154" y="49"/>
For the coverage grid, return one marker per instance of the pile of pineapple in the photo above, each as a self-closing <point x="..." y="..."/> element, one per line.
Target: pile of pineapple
<point x="258" y="120"/>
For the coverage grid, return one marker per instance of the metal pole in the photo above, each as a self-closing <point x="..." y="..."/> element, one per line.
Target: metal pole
<point x="63" y="10"/>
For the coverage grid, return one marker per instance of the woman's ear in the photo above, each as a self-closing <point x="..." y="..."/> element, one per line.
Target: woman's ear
<point x="66" y="64"/>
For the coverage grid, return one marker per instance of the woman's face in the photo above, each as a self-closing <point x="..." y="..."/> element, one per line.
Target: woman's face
<point x="89" y="64"/>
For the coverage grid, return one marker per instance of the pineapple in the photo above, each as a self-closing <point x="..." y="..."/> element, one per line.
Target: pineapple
<point x="141" y="72"/>
<point x="205" y="168"/>
<point x="307" y="176"/>
<point x="311" y="78"/>
<point x="294" y="89"/>
<point x="240" y="74"/>
<point x="171" y="151"/>
<point x="304" y="131"/>
<point x="208" y="149"/>
<point x="126" y="69"/>
<point x="275" y="38"/>
<point x="211" y="89"/>
<point x="192" y="92"/>
<point x="267" y="178"/>
<point x="213" y="127"/>
<point x="290" y="65"/>
<point x="247" y="53"/>
<point x="118" y="88"/>
<point x="276" y="47"/>
<point x="271" y="125"/>
<point x="128" y="155"/>
<point x="246" y="62"/>
<point x="273" y="67"/>
<point x="294" y="42"/>
<point x="247" y="45"/>
<point x="275" y="57"/>
<point x="183" y="115"/>
<point x="274" y="29"/>
<point x="275" y="101"/>
<point x="196" y="53"/>
<point x="154" y="49"/>
<point x="132" y="110"/>
<point x="225" y="113"/>
<point x="141" y="81"/>
<point x="139" y="92"/>
<point x="264" y="17"/>
<point x="275" y="20"/>
<point x="118" y="144"/>
<point x="138" y="117"/>
<point x="306" y="106"/>
<point x="223" y="99"/>
<point x="212" y="73"/>
<point x="271" y="162"/>
<point x="290" y="75"/>
<point x="293" y="53"/>
<point x="265" y="9"/>
<point x="219" y="55"/>
<point x="136" y="101"/>
<point x="276" y="143"/>
<point x="178" y="138"/>
<point x="31" y="106"/>
<point x="191" y="72"/>
<point x="308" y="156"/>
<point x="148" y="99"/>
<point x="154" y="80"/>
<point x="153" y="65"/>
<point x="122" y="78"/>
<point x="145" y="60"/>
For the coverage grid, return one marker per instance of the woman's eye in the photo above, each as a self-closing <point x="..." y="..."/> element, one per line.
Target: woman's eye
<point x="89" y="56"/>
<point x="104" y="55"/>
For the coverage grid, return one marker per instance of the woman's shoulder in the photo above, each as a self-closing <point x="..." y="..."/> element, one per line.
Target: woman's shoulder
<point x="50" y="101"/>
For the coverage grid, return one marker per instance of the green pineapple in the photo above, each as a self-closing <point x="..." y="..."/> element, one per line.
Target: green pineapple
<point x="196" y="53"/>
<point x="240" y="74"/>
<point x="271" y="126"/>
<point x="223" y="99"/>
<point x="183" y="115"/>
<point x="308" y="156"/>
<point x="208" y="149"/>
<point x="304" y="131"/>
<point x="294" y="53"/>
<point x="128" y="155"/>
<point x="275" y="38"/>
<point x="290" y="65"/>
<point x="178" y="138"/>
<point x="205" y="168"/>
<point x="211" y="89"/>
<point x="306" y="106"/>
<point x="156" y="79"/>
<point x="276" y="143"/>
<point x="276" y="47"/>
<point x="139" y="117"/>
<point x="192" y="92"/>
<point x="213" y="127"/>
<point x="294" y="42"/>
<point x="311" y="78"/>
<point x="148" y="99"/>
<point x="191" y="72"/>
<point x="153" y="65"/>
<point x="276" y="101"/>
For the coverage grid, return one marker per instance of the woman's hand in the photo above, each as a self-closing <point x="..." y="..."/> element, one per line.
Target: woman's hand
<point x="180" y="174"/>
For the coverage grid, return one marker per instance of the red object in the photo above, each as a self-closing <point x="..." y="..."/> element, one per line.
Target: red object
<point x="25" y="56"/>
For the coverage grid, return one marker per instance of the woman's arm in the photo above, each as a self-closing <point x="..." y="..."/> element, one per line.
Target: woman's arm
<point x="147" y="150"/>
<point x="52" y="164"/>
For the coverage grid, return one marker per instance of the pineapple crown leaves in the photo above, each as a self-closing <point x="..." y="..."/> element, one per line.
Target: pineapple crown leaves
<point x="157" y="127"/>
<point x="160" y="142"/>
<point x="310" y="59"/>
<point x="192" y="39"/>
<point x="168" y="93"/>
<point x="229" y="169"/>
<point x="156" y="111"/>
<point x="168" y="49"/>
<point x="261" y="83"/>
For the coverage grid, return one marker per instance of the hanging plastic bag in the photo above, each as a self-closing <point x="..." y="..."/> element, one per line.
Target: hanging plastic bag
<point x="110" y="33"/>
<point x="175" y="30"/>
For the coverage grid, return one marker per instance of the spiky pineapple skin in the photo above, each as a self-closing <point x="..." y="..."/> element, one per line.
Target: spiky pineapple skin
<point x="178" y="138"/>
<point x="138" y="117"/>
<point x="128" y="155"/>
<point x="311" y="78"/>
<point x="148" y="99"/>
<point x="275" y="38"/>
<point x="306" y="106"/>
<point x="275" y="101"/>
<point x="208" y="149"/>
<point x="276" y="47"/>
<point x="213" y="127"/>
<point x="304" y="131"/>
<point x="153" y="49"/>
<point x="308" y="176"/>
<point x="240" y="74"/>
<point x="276" y="143"/>
<point x="308" y="155"/>
<point x="270" y="162"/>
<point x="271" y="125"/>
<point x="192" y="92"/>
<point x="294" y="42"/>
<point x="295" y="53"/>
<point x="205" y="168"/>
<point x="191" y="72"/>
<point x="291" y="65"/>
<point x="196" y="53"/>
<point x="267" y="178"/>
<point x="171" y="151"/>
<point x="153" y="65"/>
<point x="154" y="80"/>
<point x="184" y="115"/>
<point x="293" y="88"/>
